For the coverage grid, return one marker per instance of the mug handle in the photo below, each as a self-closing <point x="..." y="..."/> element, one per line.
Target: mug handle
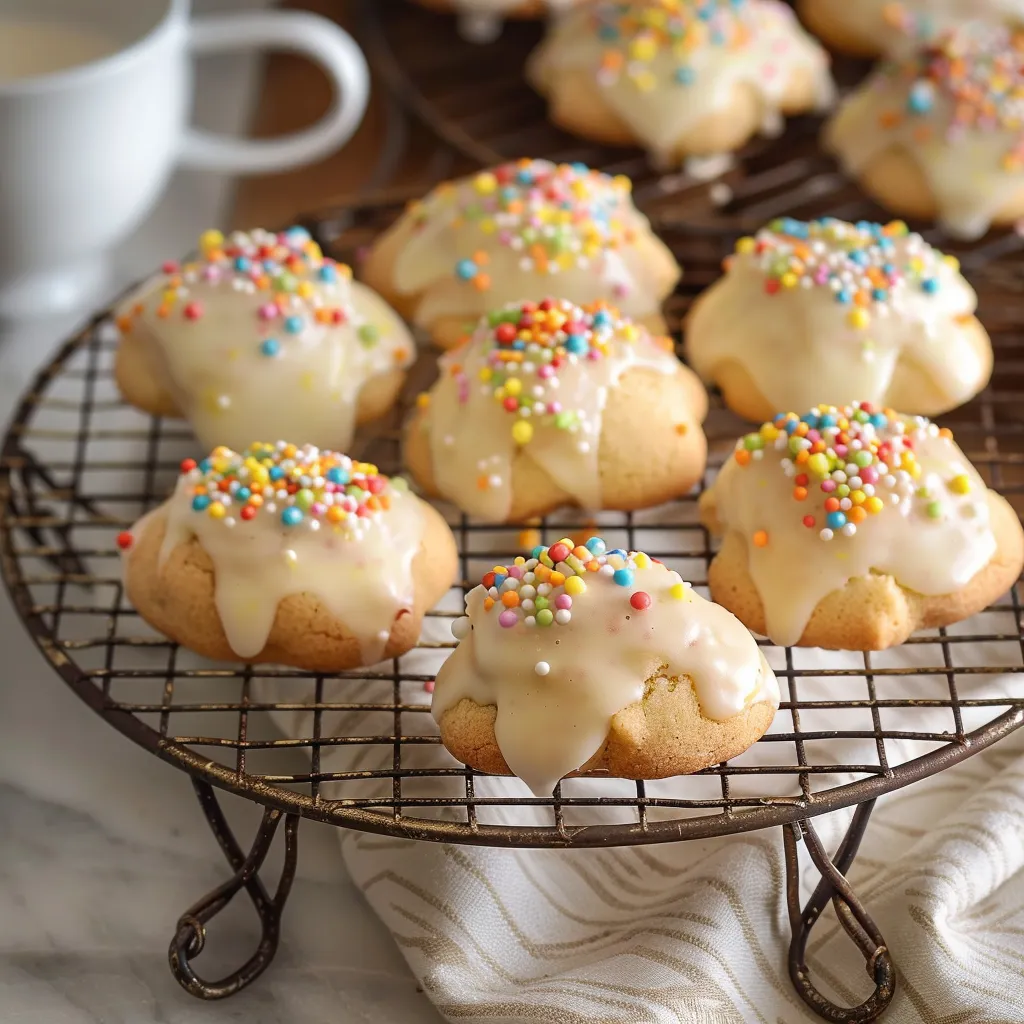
<point x="309" y="34"/>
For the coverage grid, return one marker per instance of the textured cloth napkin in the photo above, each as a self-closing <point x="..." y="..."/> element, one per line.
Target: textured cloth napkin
<point x="697" y="931"/>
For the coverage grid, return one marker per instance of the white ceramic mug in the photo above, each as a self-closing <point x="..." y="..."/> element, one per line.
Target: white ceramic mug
<point x="87" y="145"/>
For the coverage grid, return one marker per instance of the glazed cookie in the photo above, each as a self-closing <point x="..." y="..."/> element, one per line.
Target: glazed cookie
<point x="939" y="136"/>
<point x="289" y="555"/>
<point x="525" y="228"/>
<point x="552" y="404"/>
<point x="679" y="77"/>
<point x="480" y="21"/>
<point x="592" y="660"/>
<point x="838" y="311"/>
<point x="850" y="528"/>
<point x="261" y="334"/>
<point x="869" y="28"/>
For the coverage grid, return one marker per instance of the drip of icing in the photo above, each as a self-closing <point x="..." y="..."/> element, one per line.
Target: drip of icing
<point x="522" y="228"/>
<point x="277" y="520"/>
<point x="829" y="310"/>
<point x="955" y="109"/>
<point x="533" y="378"/>
<point x="563" y="641"/>
<point x="263" y="335"/>
<point x="666" y="66"/>
<point x="905" y="25"/>
<point x="845" y="492"/>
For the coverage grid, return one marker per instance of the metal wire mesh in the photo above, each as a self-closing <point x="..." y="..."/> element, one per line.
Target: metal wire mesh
<point x="78" y="465"/>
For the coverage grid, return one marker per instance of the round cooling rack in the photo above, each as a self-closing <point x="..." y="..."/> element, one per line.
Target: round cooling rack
<point x="359" y="750"/>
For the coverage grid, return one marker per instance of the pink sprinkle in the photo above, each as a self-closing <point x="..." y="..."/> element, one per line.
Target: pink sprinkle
<point x="828" y="486"/>
<point x="463" y="385"/>
<point x="515" y="572"/>
<point x="593" y="355"/>
<point x="821" y="275"/>
<point x="813" y="435"/>
<point x="268" y="311"/>
<point x="620" y="290"/>
<point x="545" y="371"/>
<point x="505" y="237"/>
<point x="563" y="601"/>
<point x="318" y="508"/>
<point x="554" y="408"/>
<point x="769" y="71"/>
<point x="429" y="686"/>
<point x="508" y="618"/>
<point x="211" y="274"/>
<point x="841" y="450"/>
<point x="869" y="475"/>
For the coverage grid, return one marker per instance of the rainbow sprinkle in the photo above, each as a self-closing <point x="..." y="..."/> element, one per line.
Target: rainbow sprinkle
<point x="977" y="71"/>
<point x="866" y="266"/>
<point x="300" y="487"/>
<point x="556" y="216"/>
<point x="849" y="463"/>
<point x="529" y="343"/>
<point x="295" y="281"/>
<point x="542" y="590"/>
<point x="636" y="34"/>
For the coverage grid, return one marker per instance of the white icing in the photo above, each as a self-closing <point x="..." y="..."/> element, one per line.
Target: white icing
<point x="551" y="722"/>
<point x="359" y="569"/>
<point x="470" y="432"/>
<point x="796" y="568"/>
<point x="663" y="89"/>
<point x="214" y="367"/>
<point x="799" y="344"/>
<point x="964" y="163"/>
<point x="606" y="248"/>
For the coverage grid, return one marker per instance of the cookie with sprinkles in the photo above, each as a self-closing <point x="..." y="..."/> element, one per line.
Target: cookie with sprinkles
<point x="290" y="555"/>
<point x="870" y="28"/>
<point x="829" y="310"/>
<point x="551" y="404"/>
<point x="585" y="658"/>
<point x="261" y="333"/>
<point x="940" y="135"/>
<point x="851" y="527"/>
<point x="680" y="78"/>
<point x="525" y="228"/>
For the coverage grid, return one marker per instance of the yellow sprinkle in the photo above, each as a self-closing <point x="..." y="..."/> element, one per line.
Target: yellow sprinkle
<point x="643" y="48"/>
<point x="679" y="592"/>
<point x="818" y="465"/>
<point x="485" y="374"/>
<point x="789" y="280"/>
<point x="307" y="381"/>
<point x="485" y="183"/>
<point x="858" y="318"/>
<point x="960" y="484"/>
<point x="305" y="289"/>
<point x="622" y="182"/>
<point x="952" y="262"/>
<point x="858" y="497"/>
<point x="630" y="332"/>
<point x="513" y="386"/>
<point x="745" y="246"/>
<point x="769" y="432"/>
<point x="874" y="505"/>
<point x="423" y="400"/>
<point x="212" y="239"/>
<point x="522" y="432"/>
<point x="642" y="561"/>
<point x="574" y="586"/>
<point x="216" y="510"/>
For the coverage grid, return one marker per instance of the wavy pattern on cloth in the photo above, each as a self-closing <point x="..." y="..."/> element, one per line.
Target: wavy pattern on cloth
<point x="696" y="932"/>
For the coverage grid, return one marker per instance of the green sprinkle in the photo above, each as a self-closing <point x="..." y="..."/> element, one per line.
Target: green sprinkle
<point x="935" y="510"/>
<point x="753" y="442"/>
<point x="368" y="334"/>
<point x="545" y="617"/>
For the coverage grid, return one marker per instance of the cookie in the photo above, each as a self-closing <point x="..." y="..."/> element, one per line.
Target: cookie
<point x="523" y="229"/>
<point x="295" y="556"/>
<point x="937" y="136"/>
<point x="680" y="78"/>
<point x="584" y="659"/>
<point x="261" y="335"/>
<point x="837" y="312"/>
<point x="551" y="404"/>
<point x="850" y="528"/>
<point x="870" y="28"/>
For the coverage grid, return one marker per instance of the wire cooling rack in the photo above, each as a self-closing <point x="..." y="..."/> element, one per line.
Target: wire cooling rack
<point x="359" y="750"/>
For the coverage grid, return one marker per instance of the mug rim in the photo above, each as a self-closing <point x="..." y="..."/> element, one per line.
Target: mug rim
<point x="176" y="11"/>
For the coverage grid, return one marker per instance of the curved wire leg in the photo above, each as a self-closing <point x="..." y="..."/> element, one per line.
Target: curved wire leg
<point x="190" y="935"/>
<point x="852" y="916"/>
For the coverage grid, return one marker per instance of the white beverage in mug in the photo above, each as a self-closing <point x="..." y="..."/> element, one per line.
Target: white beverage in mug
<point x="94" y="104"/>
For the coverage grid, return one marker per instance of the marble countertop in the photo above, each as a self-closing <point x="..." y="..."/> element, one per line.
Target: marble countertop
<point x="103" y="846"/>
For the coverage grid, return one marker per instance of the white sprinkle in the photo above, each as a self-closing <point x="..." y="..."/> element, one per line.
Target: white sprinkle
<point x="826" y="534"/>
<point x="542" y="668"/>
<point x="544" y="589"/>
<point x="562" y="616"/>
<point x="527" y="592"/>
<point x="314" y="524"/>
<point x="849" y="529"/>
<point x="529" y="621"/>
<point x="528" y="606"/>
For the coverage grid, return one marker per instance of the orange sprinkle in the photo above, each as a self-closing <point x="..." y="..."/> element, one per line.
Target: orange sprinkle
<point x="529" y="539"/>
<point x="510" y="599"/>
<point x="857" y="514"/>
<point x="743" y="457"/>
<point x="482" y="282"/>
<point x="681" y="429"/>
<point x="124" y="324"/>
<point x="890" y="118"/>
<point x="761" y="539"/>
<point x="800" y="493"/>
<point x="481" y="483"/>
<point x="945" y="432"/>
<point x="593" y="565"/>
<point x="488" y="603"/>
<point x="556" y="579"/>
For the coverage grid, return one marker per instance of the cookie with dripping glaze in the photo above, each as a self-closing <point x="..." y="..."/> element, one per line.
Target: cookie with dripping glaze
<point x="261" y="335"/>
<point x="293" y="556"/>
<point x="528" y="227"/>
<point x="826" y="310"/>
<point x="851" y="528"/>
<point x="937" y="135"/>
<point x="680" y="78"/>
<point x="585" y="659"/>
<point x="552" y="404"/>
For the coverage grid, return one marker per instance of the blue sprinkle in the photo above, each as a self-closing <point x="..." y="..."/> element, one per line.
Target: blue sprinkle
<point x="242" y="264"/>
<point x="499" y="578"/>
<point x="624" y="577"/>
<point x="525" y="176"/>
<point x="297" y="234"/>
<point x="537" y="551"/>
<point x="827" y="420"/>
<point x="577" y="343"/>
<point x="791" y="426"/>
<point x="580" y="168"/>
<point x="200" y="502"/>
<point x="878" y="420"/>
<point x="465" y="269"/>
<point x="618" y="551"/>
<point x="337" y="475"/>
<point x="608" y="32"/>
<point x="276" y="472"/>
<point x="843" y="296"/>
<point x="328" y="273"/>
<point x="243" y="494"/>
<point x="601" y="318"/>
<point x="685" y="76"/>
<point x="859" y="257"/>
<point x="291" y="516"/>
<point x="921" y="98"/>
<point x="204" y="466"/>
<point x="836" y="520"/>
<point x="930" y="285"/>
<point x="888" y="268"/>
<point x="596" y="546"/>
<point x="270" y="347"/>
<point x="293" y="324"/>
<point x="880" y="295"/>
